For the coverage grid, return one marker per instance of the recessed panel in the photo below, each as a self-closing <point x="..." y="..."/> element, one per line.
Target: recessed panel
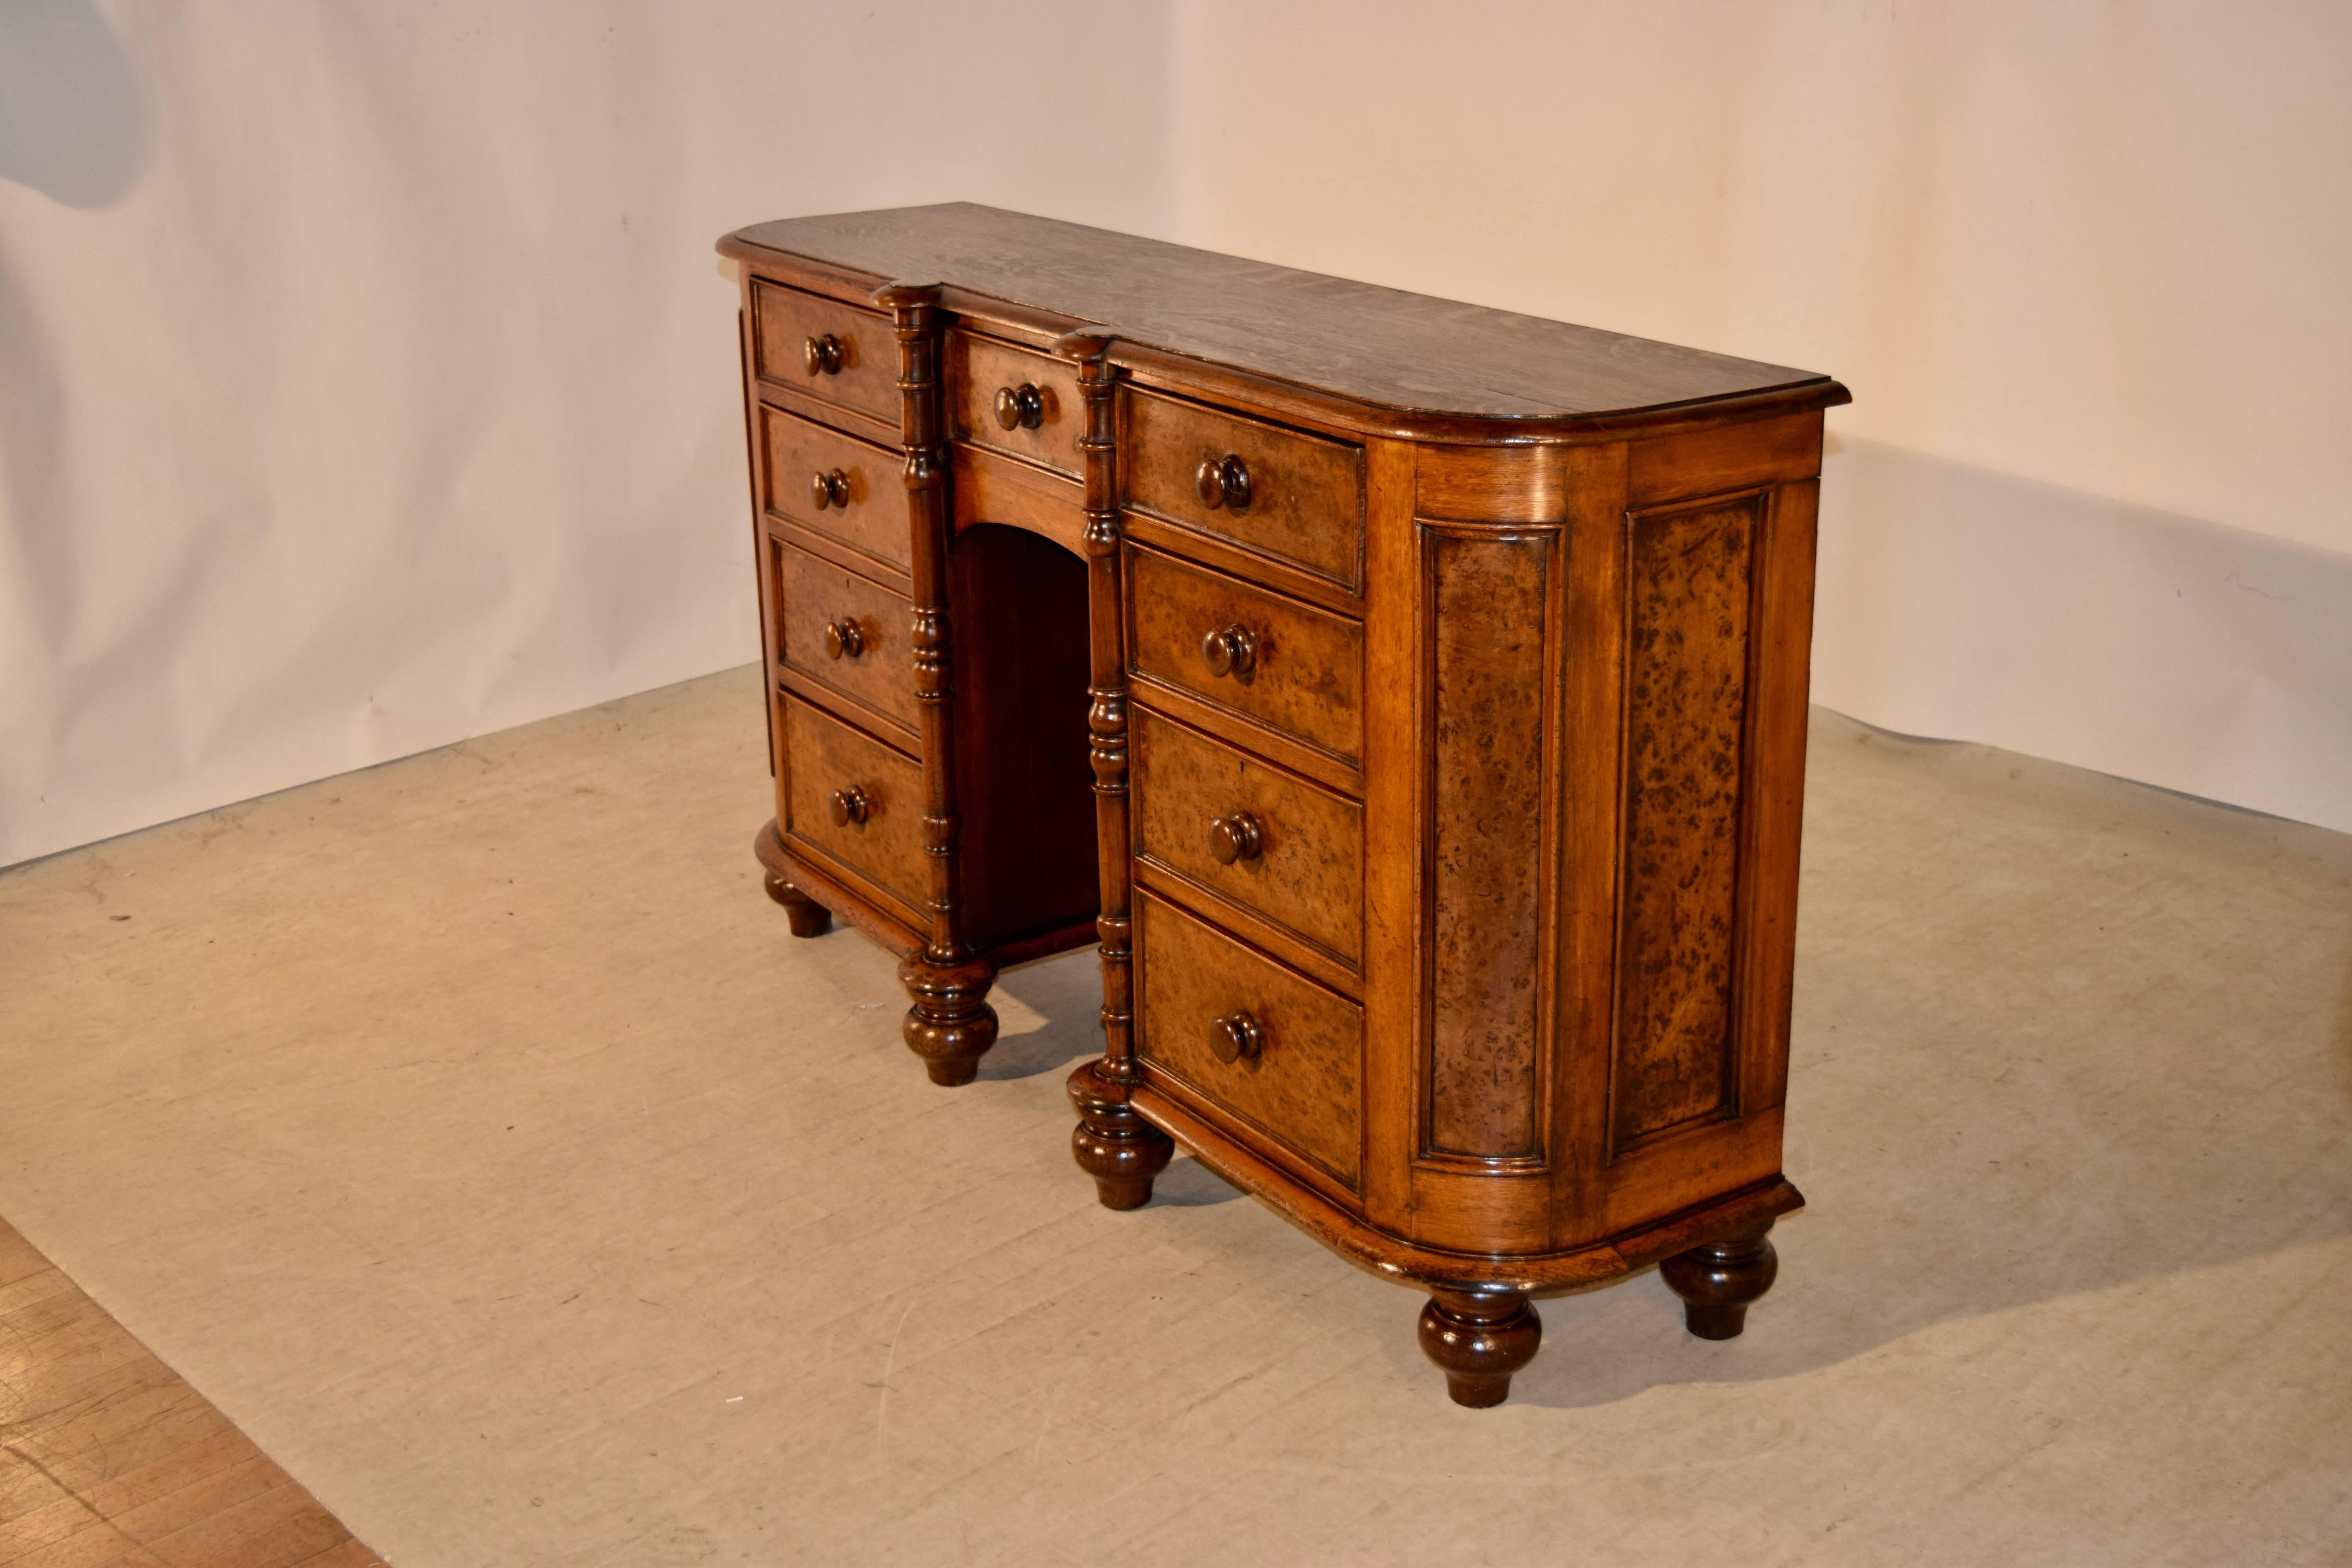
<point x="1489" y="631"/>
<point x="1688" y="582"/>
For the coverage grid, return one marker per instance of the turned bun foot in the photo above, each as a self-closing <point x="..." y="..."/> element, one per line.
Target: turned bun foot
<point x="1718" y="1282"/>
<point x="952" y="1072"/>
<point x="1478" y="1339"/>
<point x="1113" y="1144"/>
<point x="950" y="1025"/>
<point x="804" y="914"/>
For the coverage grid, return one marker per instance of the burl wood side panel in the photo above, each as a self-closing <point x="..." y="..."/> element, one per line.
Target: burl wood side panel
<point x="823" y="756"/>
<point x="871" y="519"/>
<point x="1489" y="598"/>
<point x="785" y="318"/>
<point x="1309" y="874"/>
<point x="813" y="594"/>
<point x="1689" y="583"/>
<point x="1306" y="494"/>
<point x="1304" y="1088"/>
<point x="1308" y="679"/>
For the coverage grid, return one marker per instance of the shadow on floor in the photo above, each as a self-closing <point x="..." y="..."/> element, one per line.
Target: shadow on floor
<point x="2068" y="1042"/>
<point x="2071" y="1037"/>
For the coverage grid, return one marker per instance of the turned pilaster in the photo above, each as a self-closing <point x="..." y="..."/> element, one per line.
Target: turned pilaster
<point x="1719" y="1281"/>
<point x="1112" y="1142"/>
<point x="1106" y="719"/>
<point x="949" y="1023"/>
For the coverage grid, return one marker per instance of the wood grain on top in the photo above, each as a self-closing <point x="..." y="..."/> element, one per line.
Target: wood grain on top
<point x="1380" y="347"/>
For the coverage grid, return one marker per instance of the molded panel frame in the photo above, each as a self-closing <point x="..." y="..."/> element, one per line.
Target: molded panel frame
<point x="1735" y="946"/>
<point x="1518" y="1140"/>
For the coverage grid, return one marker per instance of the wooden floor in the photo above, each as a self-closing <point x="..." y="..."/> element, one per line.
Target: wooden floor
<point x="108" y="1460"/>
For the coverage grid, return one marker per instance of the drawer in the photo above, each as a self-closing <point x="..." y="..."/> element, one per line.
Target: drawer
<point x="863" y="487"/>
<point x="1301" y="1083"/>
<point x="1047" y="417"/>
<point x="1291" y="850"/>
<point x="1289" y="666"/>
<point x="1298" y="497"/>
<point x="828" y="350"/>
<point x="883" y="840"/>
<point x="869" y="655"/>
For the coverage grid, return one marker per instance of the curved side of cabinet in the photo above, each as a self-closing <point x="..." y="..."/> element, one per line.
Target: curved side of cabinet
<point x="1379" y="1250"/>
<point x="1466" y="628"/>
<point x="1584" y="895"/>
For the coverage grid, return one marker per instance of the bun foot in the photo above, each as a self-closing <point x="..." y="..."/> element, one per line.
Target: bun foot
<point x="952" y="1072"/>
<point x="804" y="914"/>
<point x="1113" y="1144"/>
<point x="1478" y="1339"/>
<point x="1719" y="1281"/>
<point x="950" y="1025"/>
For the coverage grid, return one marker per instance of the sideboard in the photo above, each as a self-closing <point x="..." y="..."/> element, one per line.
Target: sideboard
<point x="1408" y="698"/>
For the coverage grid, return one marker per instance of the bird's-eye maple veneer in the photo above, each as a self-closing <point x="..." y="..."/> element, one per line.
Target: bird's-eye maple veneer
<point x="1408" y="697"/>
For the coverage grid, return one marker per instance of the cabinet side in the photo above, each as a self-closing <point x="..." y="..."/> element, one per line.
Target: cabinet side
<point x="1690" y="653"/>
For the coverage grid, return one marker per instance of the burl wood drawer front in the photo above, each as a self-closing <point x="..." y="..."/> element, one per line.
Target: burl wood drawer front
<point x="1296" y="1050"/>
<point x="841" y="631"/>
<point x="852" y="799"/>
<point x="1016" y="401"/>
<point x="1298" y="498"/>
<point x="828" y="350"/>
<point x="1287" y="665"/>
<point x="849" y="490"/>
<point x="1268" y="840"/>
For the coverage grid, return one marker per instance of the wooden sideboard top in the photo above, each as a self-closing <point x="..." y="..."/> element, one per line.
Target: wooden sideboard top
<point x="1379" y="348"/>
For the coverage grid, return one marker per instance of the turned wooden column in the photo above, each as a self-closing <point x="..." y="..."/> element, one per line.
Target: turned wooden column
<point x="1112" y="1142"/>
<point x="950" y="1025"/>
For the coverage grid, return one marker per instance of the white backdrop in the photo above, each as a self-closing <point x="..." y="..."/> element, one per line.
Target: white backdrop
<point x="2086" y="265"/>
<point x="366" y="378"/>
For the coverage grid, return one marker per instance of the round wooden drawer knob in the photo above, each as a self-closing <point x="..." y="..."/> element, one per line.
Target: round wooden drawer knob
<point x="843" y="639"/>
<point x="822" y="356"/>
<point x="1230" y="650"/>
<point x="851" y="806"/>
<point x="1235" y="837"/>
<point x="1222" y="482"/>
<point x="829" y="490"/>
<point x="1020" y="407"/>
<point x="1234" y="1036"/>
